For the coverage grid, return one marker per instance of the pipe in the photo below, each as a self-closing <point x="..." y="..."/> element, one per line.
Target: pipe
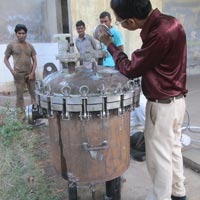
<point x="70" y="20"/>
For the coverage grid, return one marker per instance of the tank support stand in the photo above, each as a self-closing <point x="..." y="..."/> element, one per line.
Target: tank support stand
<point x="72" y="191"/>
<point x="113" y="189"/>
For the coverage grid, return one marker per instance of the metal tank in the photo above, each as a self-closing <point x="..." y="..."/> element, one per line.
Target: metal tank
<point x="88" y="111"/>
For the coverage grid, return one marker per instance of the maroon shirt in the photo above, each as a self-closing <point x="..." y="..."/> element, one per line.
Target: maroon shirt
<point x="161" y="61"/>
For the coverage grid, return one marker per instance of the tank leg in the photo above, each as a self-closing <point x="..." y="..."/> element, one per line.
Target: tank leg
<point x="72" y="191"/>
<point x="113" y="189"/>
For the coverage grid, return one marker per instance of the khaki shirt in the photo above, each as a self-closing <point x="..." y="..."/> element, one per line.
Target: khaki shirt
<point x="22" y="56"/>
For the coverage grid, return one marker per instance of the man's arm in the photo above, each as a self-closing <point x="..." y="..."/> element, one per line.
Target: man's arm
<point x="118" y="40"/>
<point x="76" y="43"/>
<point x="94" y="44"/>
<point x="31" y="75"/>
<point x="8" y="65"/>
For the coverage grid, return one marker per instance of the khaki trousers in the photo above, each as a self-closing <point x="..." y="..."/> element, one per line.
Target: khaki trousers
<point x="22" y="80"/>
<point x="163" y="148"/>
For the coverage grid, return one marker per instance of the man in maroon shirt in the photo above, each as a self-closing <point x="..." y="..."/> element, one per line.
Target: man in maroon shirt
<point x="161" y="62"/>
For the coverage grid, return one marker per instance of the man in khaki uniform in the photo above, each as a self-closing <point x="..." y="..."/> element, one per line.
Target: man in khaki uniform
<point x="25" y="62"/>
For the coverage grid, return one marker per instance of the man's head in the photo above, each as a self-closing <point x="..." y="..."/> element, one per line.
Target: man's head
<point x="21" y="32"/>
<point x="20" y="27"/>
<point x="131" y="12"/>
<point x="80" y="28"/>
<point x="105" y="18"/>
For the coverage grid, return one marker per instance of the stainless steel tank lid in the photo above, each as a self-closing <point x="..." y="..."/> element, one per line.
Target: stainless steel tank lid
<point x="85" y="91"/>
<point x="102" y="81"/>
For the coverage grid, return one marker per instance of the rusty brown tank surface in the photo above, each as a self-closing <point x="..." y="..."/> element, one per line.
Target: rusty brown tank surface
<point x="89" y="121"/>
<point x="94" y="151"/>
<point x="88" y="109"/>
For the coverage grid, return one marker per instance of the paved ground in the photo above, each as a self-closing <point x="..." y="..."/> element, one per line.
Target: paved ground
<point x="192" y="122"/>
<point x="136" y="179"/>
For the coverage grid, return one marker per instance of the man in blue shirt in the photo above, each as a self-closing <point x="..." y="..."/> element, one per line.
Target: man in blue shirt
<point x="105" y="18"/>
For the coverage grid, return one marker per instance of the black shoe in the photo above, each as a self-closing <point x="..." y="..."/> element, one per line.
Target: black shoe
<point x="137" y="141"/>
<point x="37" y="123"/>
<point x="178" y="198"/>
<point x="137" y="155"/>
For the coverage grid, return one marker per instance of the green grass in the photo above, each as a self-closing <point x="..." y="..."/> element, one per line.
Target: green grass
<point x="22" y="178"/>
<point x="11" y="127"/>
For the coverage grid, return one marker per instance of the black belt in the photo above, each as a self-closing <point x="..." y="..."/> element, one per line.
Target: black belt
<point x="168" y="100"/>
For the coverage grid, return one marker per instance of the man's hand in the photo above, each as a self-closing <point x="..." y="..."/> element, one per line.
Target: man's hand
<point x="31" y="76"/>
<point x="103" y="34"/>
<point x="13" y="72"/>
<point x="105" y="38"/>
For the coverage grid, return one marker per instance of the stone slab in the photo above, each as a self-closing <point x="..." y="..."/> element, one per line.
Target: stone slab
<point x="191" y="159"/>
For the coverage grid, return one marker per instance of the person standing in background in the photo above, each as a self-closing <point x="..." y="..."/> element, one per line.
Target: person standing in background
<point x="85" y="44"/>
<point x="25" y="62"/>
<point x="161" y="62"/>
<point x="105" y="18"/>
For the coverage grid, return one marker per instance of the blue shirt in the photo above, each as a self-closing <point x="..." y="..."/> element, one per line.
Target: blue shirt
<point x="118" y="41"/>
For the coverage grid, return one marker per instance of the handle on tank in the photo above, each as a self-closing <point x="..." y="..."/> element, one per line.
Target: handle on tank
<point x="38" y="85"/>
<point x="130" y="84"/>
<point x="102" y="146"/>
<point x="83" y="90"/>
<point x="66" y="90"/>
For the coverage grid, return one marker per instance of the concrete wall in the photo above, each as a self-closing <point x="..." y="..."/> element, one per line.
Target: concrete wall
<point x="90" y="15"/>
<point x="188" y="12"/>
<point x="19" y="11"/>
<point x="41" y="18"/>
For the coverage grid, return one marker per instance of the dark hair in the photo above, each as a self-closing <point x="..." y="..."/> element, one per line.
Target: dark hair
<point x="80" y="23"/>
<point x="19" y="27"/>
<point x="105" y="14"/>
<point x="126" y="9"/>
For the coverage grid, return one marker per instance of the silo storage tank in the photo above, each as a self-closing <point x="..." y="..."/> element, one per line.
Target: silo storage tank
<point x="88" y="110"/>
